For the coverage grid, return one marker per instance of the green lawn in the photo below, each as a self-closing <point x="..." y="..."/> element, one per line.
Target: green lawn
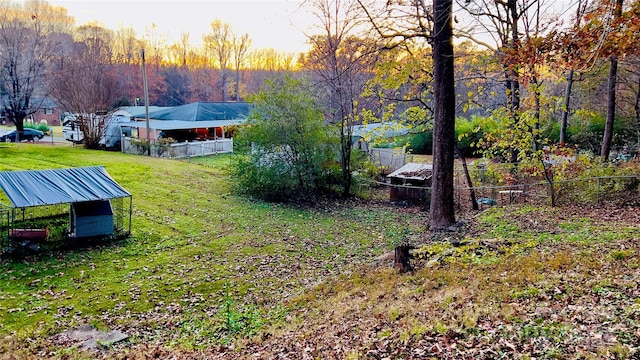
<point x="201" y="267"/>
<point x="207" y="274"/>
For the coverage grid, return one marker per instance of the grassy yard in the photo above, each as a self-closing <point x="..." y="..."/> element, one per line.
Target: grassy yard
<point x="201" y="267"/>
<point x="209" y="275"/>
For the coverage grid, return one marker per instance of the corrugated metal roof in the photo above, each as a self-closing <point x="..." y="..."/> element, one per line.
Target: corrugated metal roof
<point x="59" y="186"/>
<point x="413" y="171"/>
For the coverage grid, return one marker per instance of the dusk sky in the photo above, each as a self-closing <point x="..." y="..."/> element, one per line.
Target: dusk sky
<point x="275" y="24"/>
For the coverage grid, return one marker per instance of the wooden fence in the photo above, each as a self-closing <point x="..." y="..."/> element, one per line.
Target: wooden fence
<point x="178" y="150"/>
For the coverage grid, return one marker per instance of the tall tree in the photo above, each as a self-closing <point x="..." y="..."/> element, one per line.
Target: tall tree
<point x="241" y="46"/>
<point x="28" y="41"/>
<point x="408" y="24"/>
<point x="85" y="83"/>
<point x="572" y="54"/>
<point x="218" y="43"/>
<point x="611" y="90"/>
<point x="339" y="64"/>
<point x="513" y="26"/>
<point x="126" y="47"/>
<point x="442" y="214"/>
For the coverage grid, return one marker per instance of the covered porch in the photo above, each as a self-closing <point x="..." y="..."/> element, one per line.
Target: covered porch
<point x="208" y="138"/>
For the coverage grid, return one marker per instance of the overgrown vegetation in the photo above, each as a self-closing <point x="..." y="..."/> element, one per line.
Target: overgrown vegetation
<point x="292" y="153"/>
<point x="585" y="133"/>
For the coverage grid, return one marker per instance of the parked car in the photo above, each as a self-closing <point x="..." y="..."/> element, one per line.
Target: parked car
<point x="27" y="135"/>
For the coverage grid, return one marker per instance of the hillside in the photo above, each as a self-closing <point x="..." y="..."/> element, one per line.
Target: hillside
<point x="210" y="275"/>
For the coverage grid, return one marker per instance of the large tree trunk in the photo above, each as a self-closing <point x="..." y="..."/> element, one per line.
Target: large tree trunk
<point x="611" y="109"/>
<point x="611" y="96"/>
<point x="636" y="107"/>
<point x="565" y="111"/>
<point x="442" y="214"/>
<point x="513" y="76"/>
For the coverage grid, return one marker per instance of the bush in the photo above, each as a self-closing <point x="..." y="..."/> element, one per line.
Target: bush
<point x="591" y="179"/>
<point x="587" y="133"/>
<point x="142" y="145"/>
<point x="469" y="133"/>
<point x="292" y="152"/>
<point x="421" y="143"/>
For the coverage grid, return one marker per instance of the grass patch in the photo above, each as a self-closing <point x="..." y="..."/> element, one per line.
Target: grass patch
<point x="194" y="248"/>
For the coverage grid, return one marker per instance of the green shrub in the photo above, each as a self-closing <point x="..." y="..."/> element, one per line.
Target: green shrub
<point x="421" y="143"/>
<point x="293" y="153"/>
<point x="469" y="133"/>
<point x="587" y="132"/>
<point x="142" y="145"/>
<point x="162" y="146"/>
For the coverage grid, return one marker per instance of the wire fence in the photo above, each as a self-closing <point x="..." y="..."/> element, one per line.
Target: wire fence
<point x="29" y="229"/>
<point x="592" y="190"/>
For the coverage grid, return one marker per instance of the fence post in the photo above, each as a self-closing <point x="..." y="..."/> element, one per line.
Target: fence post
<point x="598" y="192"/>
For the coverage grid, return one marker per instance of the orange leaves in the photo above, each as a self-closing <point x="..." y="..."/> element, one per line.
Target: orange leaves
<point x="608" y="28"/>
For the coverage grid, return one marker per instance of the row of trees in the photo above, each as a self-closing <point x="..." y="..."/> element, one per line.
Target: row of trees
<point x="90" y="68"/>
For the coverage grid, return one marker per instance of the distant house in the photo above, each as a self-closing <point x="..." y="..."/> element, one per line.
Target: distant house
<point x="205" y="119"/>
<point x="378" y="140"/>
<point x="363" y="136"/>
<point x="207" y="122"/>
<point x="49" y="113"/>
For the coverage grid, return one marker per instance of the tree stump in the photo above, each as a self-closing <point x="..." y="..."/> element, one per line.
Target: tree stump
<point x="402" y="258"/>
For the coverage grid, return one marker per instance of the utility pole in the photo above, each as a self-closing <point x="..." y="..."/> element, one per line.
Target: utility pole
<point x="146" y="100"/>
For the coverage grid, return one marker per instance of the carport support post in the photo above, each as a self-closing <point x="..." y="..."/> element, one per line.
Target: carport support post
<point x="130" y="212"/>
<point x="146" y="100"/>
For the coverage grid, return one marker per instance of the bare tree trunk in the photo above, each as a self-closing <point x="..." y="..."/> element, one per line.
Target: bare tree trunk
<point x="611" y="96"/>
<point x="223" y="85"/>
<point x="442" y="214"/>
<point x="237" y="85"/>
<point x="611" y="109"/>
<point x="566" y="110"/>
<point x="536" y="125"/>
<point x="636" y="107"/>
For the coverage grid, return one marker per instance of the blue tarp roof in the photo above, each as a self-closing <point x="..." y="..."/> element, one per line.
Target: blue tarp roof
<point x="59" y="186"/>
